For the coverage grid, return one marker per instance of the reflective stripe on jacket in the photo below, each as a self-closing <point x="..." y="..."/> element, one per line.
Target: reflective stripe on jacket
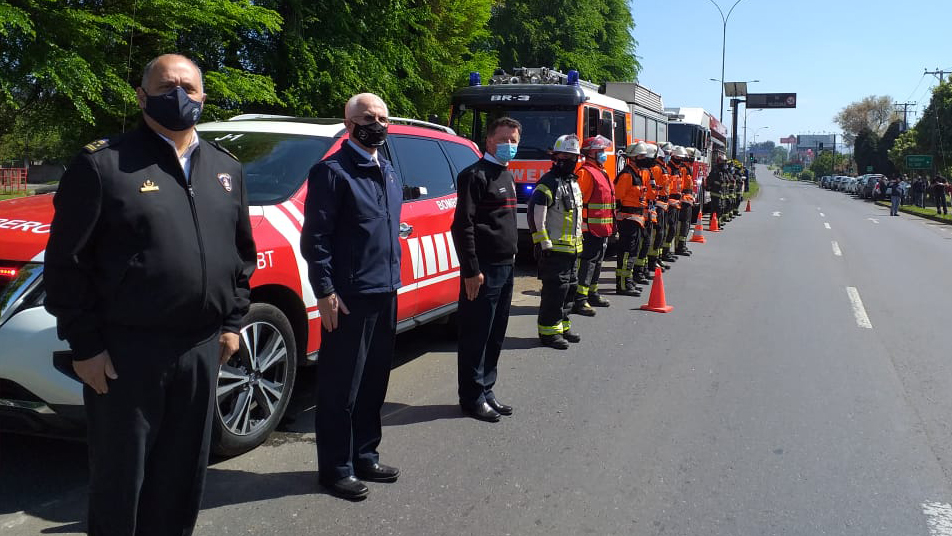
<point x="598" y="200"/>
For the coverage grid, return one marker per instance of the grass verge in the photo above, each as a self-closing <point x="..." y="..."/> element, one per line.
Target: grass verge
<point x="927" y="213"/>
<point x="11" y="196"/>
<point x="754" y="190"/>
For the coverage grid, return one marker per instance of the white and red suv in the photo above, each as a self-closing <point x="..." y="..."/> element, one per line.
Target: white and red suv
<point x="282" y="330"/>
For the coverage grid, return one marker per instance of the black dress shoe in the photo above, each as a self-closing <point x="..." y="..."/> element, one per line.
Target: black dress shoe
<point x="376" y="472"/>
<point x="500" y="408"/>
<point x="481" y="412"/>
<point x="347" y="488"/>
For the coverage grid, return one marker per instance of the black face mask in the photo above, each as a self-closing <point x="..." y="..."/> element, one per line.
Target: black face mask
<point x="563" y="167"/>
<point x="643" y="162"/>
<point x="173" y="110"/>
<point x="372" y="135"/>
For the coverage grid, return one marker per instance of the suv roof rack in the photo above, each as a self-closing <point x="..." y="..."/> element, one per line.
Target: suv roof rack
<point x="424" y="124"/>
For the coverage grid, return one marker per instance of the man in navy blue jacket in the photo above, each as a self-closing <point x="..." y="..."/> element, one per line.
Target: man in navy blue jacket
<point x="351" y="243"/>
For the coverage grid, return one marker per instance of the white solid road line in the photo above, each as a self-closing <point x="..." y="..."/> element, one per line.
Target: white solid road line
<point x="836" y="249"/>
<point x="859" y="312"/>
<point x="939" y="518"/>
<point x="827" y="225"/>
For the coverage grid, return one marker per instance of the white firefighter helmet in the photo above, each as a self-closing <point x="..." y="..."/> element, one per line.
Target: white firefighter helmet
<point x="667" y="147"/>
<point x="636" y="149"/>
<point x="692" y="152"/>
<point x="679" y="152"/>
<point x="566" y="143"/>
<point x="652" y="150"/>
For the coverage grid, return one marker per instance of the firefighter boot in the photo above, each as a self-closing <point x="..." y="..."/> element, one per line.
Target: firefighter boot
<point x="571" y="336"/>
<point x="582" y="307"/>
<point x="641" y="276"/>
<point x="625" y="287"/>
<point x="596" y="300"/>
<point x="667" y="256"/>
<point x="554" y="341"/>
<point x="682" y="250"/>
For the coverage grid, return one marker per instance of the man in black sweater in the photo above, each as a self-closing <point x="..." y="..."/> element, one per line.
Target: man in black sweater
<point x="484" y="230"/>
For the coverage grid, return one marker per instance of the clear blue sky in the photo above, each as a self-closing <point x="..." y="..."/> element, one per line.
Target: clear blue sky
<point x="829" y="52"/>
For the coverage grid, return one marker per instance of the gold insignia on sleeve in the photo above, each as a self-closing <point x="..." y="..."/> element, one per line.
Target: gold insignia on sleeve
<point x="149" y="186"/>
<point x="96" y="145"/>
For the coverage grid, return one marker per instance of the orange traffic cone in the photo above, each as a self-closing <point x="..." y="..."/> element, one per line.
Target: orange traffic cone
<point x="698" y="236"/>
<point x="748" y="206"/>
<point x="656" y="301"/>
<point x="714" y="227"/>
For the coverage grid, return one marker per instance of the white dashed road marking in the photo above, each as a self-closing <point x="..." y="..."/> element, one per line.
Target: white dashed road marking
<point x="939" y="518"/>
<point x="859" y="312"/>
<point x="822" y="215"/>
<point x="836" y="249"/>
<point x="874" y="220"/>
<point x="827" y="225"/>
<point x="776" y="214"/>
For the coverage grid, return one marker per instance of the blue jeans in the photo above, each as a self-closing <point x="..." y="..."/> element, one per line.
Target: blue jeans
<point x="894" y="210"/>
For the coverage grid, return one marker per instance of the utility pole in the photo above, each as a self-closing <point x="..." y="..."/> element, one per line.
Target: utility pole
<point x="940" y="73"/>
<point x="905" y="112"/>
<point x="833" y="165"/>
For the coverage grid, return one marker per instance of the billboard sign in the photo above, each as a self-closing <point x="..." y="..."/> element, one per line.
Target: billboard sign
<point x="771" y="100"/>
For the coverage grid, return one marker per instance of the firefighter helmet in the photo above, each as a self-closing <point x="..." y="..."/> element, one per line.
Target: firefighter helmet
<point x="636" y="149"/>
<point x="652" y="150"/>
<point x="667" y="147"/>
<point x="692" y="152"/>
<point x="679" y="152"/>
<point x="566" y="143"/>
<point x="596" y="143"/>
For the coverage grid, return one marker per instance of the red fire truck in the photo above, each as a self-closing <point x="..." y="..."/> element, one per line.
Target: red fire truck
<point x="549" y="104"/>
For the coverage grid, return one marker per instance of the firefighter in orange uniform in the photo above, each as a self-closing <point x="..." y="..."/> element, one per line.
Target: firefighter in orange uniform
<point x="674" y="201"/>
<point x="632" y="218"/>
<point x="682" y="159"/>
<point x="660" y="185"/>
<point x="598" y="223"/>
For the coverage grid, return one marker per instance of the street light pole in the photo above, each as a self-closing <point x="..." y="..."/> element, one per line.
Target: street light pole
<point x="724" y="49"/>
<point x="746" y="114"/>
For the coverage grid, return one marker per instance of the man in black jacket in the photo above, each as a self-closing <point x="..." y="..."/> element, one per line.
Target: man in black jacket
<point x="147" y="273"/>
<point x="351" y="243"/>
<point x="484" y="231"/>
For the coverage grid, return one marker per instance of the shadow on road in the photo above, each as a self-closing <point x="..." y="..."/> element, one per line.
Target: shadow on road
<point x="395" y="414"/>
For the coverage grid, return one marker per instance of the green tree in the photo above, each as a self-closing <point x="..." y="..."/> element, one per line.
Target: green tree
<point x="933" y="132"/>
<point x="873" y="112"/>
<point x="824" y="164"/>
<point x="412" y="53"/>
<point x="906" y="144"/>
<point x="865" y="149"/>
<point x="592" y="37"/>
<point x="68" y="69"/>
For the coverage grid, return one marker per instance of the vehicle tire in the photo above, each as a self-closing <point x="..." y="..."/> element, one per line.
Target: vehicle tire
<point x="255" y="385"/>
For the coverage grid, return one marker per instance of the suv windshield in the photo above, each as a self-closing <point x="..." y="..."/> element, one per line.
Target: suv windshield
<point x="275" y="165"/>
<point x="540" y="127"/>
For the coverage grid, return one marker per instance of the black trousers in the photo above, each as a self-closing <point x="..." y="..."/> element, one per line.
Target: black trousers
<point x="590" y="262"/>
<point x="671" y="231"/>
<point x="631" y="238"/>
<point x="559" y="283"/>
<point x="659" y="234"/>
<point x="940" y="203"/>
<point x="684" y="222"/>
<point x="716" y="206"/>
<point x="353" y="370"/>
<point x="482" y="331"/>
<point x="149" y="436"/>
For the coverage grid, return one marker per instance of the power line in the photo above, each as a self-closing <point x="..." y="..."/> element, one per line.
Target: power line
<point x="940" y="73"/>
<point x="905" y="112"/>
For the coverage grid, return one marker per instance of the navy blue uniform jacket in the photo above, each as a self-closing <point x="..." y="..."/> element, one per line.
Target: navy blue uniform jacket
<point x="351" y="228"/>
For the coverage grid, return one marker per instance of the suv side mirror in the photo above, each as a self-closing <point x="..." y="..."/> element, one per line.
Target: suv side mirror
<point x="413" y="192"/>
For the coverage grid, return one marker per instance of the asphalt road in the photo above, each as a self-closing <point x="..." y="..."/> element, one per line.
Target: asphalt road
<point x="768" y="402"/>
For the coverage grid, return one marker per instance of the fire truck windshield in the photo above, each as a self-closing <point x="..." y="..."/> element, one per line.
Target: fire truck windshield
<point x="685" y="135"/>
<point x="540" y="127"/>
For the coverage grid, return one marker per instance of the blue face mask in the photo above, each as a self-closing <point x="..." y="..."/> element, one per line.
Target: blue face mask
<point x="506" y="151"/>
<point x="602" y="157"/>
